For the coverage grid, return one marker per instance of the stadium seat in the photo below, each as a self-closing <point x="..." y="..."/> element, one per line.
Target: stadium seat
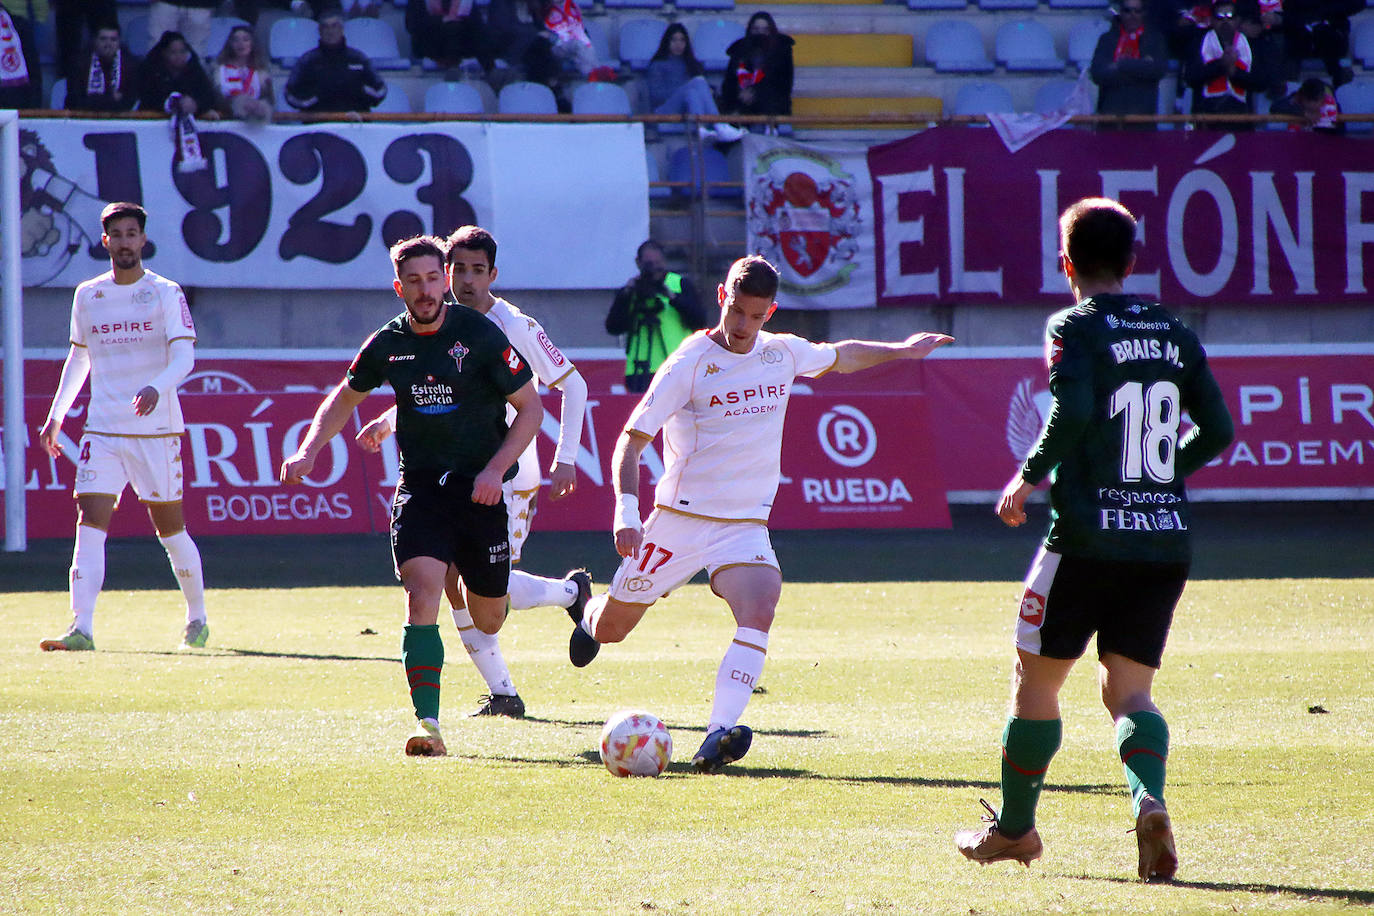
<point x="290" y="38"/>
<point x="633" y="4"/>
<point x="1078" y="4"/>
<point x="1362" y="40"/>
<point x="57" y="98"/>
<point x="377" y="39"/>
<point x="396" y="102"/>
<point x="955" y="46"/>
<point x="977" y="97"/>
<point x="1357" y="98"/>
<point x="601" y="99"/>
<point x="639" y="40"/>
<point x="936" y="4"/>
<point x="1052" y="95"/>
<point x="996" y="5"/>
<point x="1026" y="45"/>
<point x="600" y="39"/>
<point x="711" y="38"/>
<point x="717" y="5"/>
<point x="453" y="98"/>
<point x="655" y="174"/>
<point x="526" y="98"/>
<point x="715" y="166"/>
<point x="135" y="34"/>
<point x="220" y="27"/>
<point x="1083" y="37"/>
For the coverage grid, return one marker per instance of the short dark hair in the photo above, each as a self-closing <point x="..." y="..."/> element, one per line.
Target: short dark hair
<point x="120" y="210"/>
<point x="472" y="238"/>
<point x="417" y="246"/>
<point x="1097" y="235"/>
<point x="647" y="244"/>
<point x="752" y="276"/>
<point x="1312" y="89"/>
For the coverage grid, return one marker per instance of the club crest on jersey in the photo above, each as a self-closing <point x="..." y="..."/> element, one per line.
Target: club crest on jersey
<point x="142" y="296"/>
<point x="458" y="351"/>
<point x="770" y="356"/>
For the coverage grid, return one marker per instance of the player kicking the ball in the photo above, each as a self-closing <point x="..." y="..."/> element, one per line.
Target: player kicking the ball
<point x="719" y="400"/>
<point x="472" y="269"/>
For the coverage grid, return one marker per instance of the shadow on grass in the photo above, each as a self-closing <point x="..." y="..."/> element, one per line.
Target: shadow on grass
<point x="1232" y="887"/>
<point x="310" y="657"/>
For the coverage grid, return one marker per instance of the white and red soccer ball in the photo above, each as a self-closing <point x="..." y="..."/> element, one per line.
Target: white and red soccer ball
<point x="635" y="743"/>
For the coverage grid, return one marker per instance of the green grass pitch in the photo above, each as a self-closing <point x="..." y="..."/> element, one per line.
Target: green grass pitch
<point x="264" y="774"/>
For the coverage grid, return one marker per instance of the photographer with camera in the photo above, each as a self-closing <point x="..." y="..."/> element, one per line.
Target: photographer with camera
<point x="656" y="311"/>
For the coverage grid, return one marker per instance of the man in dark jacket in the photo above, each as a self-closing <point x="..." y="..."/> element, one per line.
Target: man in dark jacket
<point x="1128" y="63"/>
<point x="107" y="79"/>
<point x="656" y="310"/>
<point x="333" y="76"/>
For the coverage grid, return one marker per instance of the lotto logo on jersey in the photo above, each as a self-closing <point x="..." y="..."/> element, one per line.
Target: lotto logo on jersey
<point x="513" y="361"/>
<point x="554" y="353"/>
<point x="1033" y="608"/>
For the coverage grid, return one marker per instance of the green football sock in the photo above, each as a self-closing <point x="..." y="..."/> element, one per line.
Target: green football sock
<point x="422" y="654"/>
<point x="1028" y="746"/>
<point x="1143" y="740"/>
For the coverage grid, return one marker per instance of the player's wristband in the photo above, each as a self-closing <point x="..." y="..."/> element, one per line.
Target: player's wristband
<point x="627" y="513"/>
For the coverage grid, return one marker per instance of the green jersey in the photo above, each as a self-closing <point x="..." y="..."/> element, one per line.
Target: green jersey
<point x="451" y="387"/>
<point x="1122" y="373"/>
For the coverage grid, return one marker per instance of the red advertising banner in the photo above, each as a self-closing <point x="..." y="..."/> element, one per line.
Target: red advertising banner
<point x="1271" y="217"/>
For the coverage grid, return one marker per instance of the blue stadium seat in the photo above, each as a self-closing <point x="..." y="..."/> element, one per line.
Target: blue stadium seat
<point x="936" y="4"/>
<point x="1052" y="95"/>
<point x="1078" y="4"/>
<point x="1357" y="98"/>
<point x="634" y="4"/>
<point x="639" y="40"/>
<point x="1362" y="40"/>
<point x="135" y="35"/>
<point x="715" y="166"/>
<point x="290" y="38"/>
<point x="655" y="174"/>
<point x="1026" y="45"/>
<point x="995" y="5"/>
<point x="711" y="38"/>
<point x="453" y="98"/>
<point x="57" y="98"/>
<point x="718" y="5"/>
<point x="377" y="39"/>
<point x="600" y="39"/>
<point x="600" y="98"/>
<point x="1083" y="36"/>
<point x="396" y="102"/>
<point x="983" y="97"/>
<point x="220" y="27"/>
<point x="955" y="46"/>
<point x="526" y="98"/>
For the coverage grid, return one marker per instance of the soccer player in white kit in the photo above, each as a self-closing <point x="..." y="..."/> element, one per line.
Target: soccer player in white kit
<point x="132" y="333"/>
<point x="719" y="400"/>
<point x="472" y="270"/>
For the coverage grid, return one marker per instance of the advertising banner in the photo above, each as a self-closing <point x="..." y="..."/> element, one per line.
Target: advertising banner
<point x="316" y="206"/>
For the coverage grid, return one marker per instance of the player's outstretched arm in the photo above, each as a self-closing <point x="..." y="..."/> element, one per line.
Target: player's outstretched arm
<point x="329" y="421"/>
<point x="857" y="355"/>
<point x="371" y="436"/>
<point x="627" y="528"/>
<point x="563" y="471"/>
<point x="529" y="413"/>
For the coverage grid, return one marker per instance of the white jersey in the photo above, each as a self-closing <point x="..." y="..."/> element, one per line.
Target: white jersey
<point x="127" y="330"/>
<point x="722" y="416"/>
<point x="546" y="361"/>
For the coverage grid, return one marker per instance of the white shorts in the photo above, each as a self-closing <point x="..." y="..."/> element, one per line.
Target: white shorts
<point x="676" y="547"/>
<point x="151" y="463"/>
<point x="520" y="509"/>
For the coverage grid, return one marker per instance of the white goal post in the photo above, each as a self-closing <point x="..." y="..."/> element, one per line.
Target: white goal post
<point x="11" y="298"/>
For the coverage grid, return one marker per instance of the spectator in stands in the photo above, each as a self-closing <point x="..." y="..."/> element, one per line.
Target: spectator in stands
<point x="173" y="69"/>
<point x="758" y="77"/>
<point x="1320" y="29"/>
<point x="1261" y="21"/>
<point x="1222" y="74"/>
<point x="452" y="33"/>
<point x="21" y="81"/>
<point x="189" y="17"/>
<point x="1315" y="103"/>
<point x="108" y="78"/>
<point x="76" y="22"/>
<point x="656" y="310"/>
<point x="563" y="22"/>
<point x="676" y="83"/>
<point x="333" y="76"/>
<point x="1128" y="63"/>
<point x="241" y="77"/>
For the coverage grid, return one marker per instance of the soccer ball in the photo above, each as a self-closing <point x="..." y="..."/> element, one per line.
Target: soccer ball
<point x="635" y="743"/>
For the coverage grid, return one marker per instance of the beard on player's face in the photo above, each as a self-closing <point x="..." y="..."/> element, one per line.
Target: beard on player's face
<point x="125" y="258"/>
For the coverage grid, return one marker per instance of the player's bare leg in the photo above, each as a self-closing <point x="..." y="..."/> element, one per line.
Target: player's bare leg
<point x="604" y="619"/>
<point x="87" y="576"/>
<point x="752" y="593"/>
<point x="184" y="557"/>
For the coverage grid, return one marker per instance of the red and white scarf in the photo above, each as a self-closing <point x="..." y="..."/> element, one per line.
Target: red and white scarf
<point x="566" y="22"/>
<point x="186" y="154"/>
<point x="1128" y="44"/>
<point x="96" y="82"/>
<point x="234" y="80"/>
<point x="14" y="71"/>
<point x="1222" y="85"/>
<point x="747" y="77"/>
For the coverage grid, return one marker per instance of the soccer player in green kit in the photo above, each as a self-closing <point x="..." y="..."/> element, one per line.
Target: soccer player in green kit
<point x="453" y="372"/>
<point x="1115" y="561"/>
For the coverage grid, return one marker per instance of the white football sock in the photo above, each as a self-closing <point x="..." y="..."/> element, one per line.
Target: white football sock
<point x="592" y="613"/>
<point x="738" y="676"/>
<point x="485" y="651"/>
<point x="87" y="575"/>
<point x="185" y="559"/>
<point x="528" y="590"/>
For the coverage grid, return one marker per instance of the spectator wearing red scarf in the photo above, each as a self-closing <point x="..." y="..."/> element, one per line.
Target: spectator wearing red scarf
<point x="758" y="77"/>
<point x="1128" y="63"/>
<point x="1223" y="73"/>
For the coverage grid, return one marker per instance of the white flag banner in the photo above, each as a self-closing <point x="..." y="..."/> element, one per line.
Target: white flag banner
<point x="810" y="212"/>
<point x="1018" y="130"/>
